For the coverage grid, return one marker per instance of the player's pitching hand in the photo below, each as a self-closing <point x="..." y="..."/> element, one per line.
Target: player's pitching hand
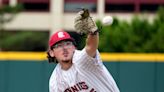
<point x="83" y="23"/>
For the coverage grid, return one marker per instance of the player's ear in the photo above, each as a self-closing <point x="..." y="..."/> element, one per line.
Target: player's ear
<point x="51" y="53"/>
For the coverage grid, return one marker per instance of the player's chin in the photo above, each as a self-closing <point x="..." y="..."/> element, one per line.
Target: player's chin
<point x="66" y="59"/>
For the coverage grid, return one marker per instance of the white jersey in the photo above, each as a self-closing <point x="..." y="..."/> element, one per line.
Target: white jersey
<point x="87" y="74"/>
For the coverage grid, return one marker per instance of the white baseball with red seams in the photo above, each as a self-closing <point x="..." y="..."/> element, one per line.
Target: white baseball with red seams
<point x="107" y="20"/>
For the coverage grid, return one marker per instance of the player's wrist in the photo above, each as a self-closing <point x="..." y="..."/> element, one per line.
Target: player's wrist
<point x="94" y="33"/>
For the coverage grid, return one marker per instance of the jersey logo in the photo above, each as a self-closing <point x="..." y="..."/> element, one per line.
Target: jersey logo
<point x="80" y="86"/>
<point x="61" y="35"/>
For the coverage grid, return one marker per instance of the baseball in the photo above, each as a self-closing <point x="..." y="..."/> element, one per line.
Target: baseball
<point x="107" y="20"/>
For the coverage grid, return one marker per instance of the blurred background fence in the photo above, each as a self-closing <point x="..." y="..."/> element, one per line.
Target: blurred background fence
<point x="30" y="72"/>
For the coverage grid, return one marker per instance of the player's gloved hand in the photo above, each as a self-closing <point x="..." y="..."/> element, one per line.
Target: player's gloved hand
<point x="83" y="23"/>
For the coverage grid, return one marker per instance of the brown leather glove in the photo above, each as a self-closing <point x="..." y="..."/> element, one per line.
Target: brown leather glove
<point x="83" y="23"/>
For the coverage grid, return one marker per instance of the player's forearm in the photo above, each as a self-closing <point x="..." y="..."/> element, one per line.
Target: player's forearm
<point x="92" y="42"/>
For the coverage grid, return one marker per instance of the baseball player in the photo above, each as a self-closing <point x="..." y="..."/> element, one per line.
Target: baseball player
<point x="79" y="70"/>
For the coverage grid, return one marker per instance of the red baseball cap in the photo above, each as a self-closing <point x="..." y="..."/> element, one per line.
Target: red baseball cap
<point x="59" y="36"/>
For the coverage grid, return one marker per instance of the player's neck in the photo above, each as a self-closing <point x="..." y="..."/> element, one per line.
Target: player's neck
<point x="66" y="66"/>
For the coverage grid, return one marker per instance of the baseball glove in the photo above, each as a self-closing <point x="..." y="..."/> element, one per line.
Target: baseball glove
<point x="83" y="23"/>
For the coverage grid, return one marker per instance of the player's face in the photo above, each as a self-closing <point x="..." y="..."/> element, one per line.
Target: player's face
<point x="63" y="51"/>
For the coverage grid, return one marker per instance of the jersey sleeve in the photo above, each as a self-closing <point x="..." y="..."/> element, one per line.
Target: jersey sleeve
<point x="85" y="62"/>
<point x="52" y="85"/>
<point x="53" y="80"/>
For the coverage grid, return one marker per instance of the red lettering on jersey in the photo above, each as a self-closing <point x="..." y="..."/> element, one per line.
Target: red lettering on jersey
<point x="68" y="90"/>
<point x="78" y="87"/>
<point x="83" y="85"/>
<point x="92" y="90"/>
<point x="74" y="88"/>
